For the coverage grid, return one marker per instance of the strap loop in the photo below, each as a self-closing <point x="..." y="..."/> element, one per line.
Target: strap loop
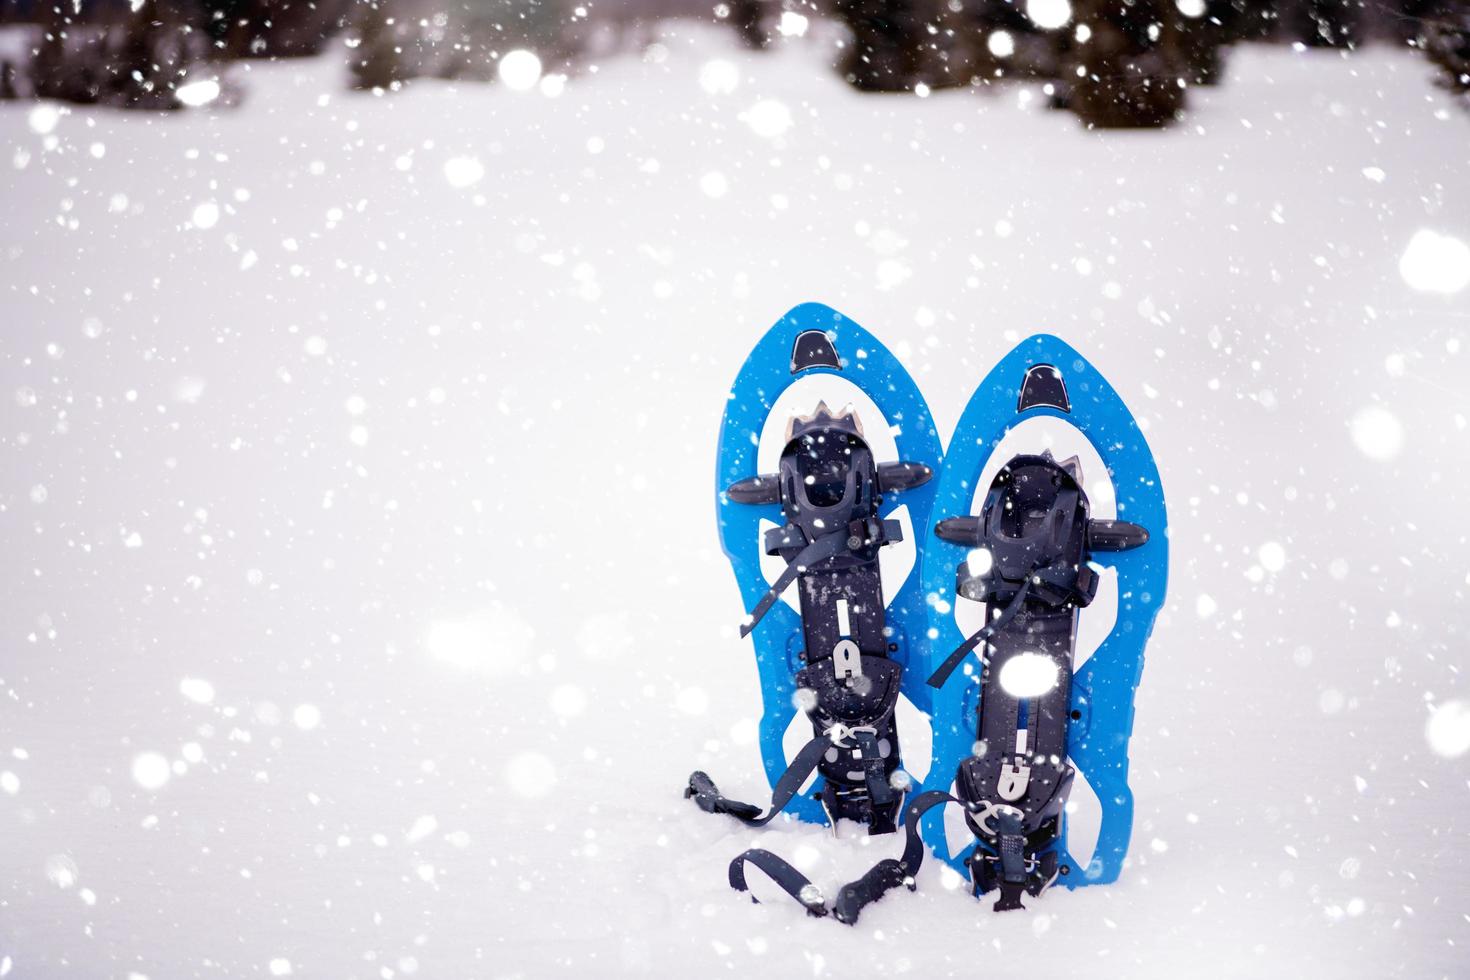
<point x="827" y="546"/>
<point x="855" y="896"/>
<point x="793" y="882"/>
<point x="940" y="676"/>
<point x="710" y="800"/>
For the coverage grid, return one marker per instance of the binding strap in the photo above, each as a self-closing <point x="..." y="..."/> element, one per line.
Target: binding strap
<point x="857" y="895"/>
<point x="709" y="798"/>
<point x="827" y="546"/>
<point x="850" y="537"/>
<point x="940" y="676"/>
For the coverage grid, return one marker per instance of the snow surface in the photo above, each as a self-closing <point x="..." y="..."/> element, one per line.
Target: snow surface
<point x="363" y="608"/>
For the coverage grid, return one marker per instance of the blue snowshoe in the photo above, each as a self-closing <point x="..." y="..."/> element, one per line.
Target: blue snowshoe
<point x="843" y="657"/>
<point x="1019" y="722"/>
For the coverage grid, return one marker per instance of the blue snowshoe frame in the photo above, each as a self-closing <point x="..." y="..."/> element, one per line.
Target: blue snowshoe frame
<point x="1103" y="689"/>
<point x="766" y="374"/>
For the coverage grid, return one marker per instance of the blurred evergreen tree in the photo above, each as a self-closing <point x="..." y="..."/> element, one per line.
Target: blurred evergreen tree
<point x="1416" y="16"/>
<point x="893" y="47"/>
<point x="158" y="45"/>
<point x="1205" y="27"/>
<point x="1411" y="20"/>
<point x="8" y="75"/>
<point x="537" y="25"/>
<point x="477" y="32"/>
<point x="1254" y="20"/>
<point x="748" y="17"/>
<point x="377" y="60"/>
<point x="274" y="28"/>
<point x="65" y="65"/>
<point x="985" y="27"/>
<point x="138" y="63"/>
<point x="1126" y="66"/>
<point x="1446" y="40"/>
<point x="1325" y="23"/>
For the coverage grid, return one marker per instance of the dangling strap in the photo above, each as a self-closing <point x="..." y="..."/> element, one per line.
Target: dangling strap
<point x="707" y="795"/>
<point x="855" y="896"/>
<point x="793" y="882"/>
<point x="824" y="547"/>
<point x="938" y="678"/>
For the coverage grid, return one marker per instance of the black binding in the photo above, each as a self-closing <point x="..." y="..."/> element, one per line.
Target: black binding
<point x="830" y="490"/>
<point x="1035" y="525"/>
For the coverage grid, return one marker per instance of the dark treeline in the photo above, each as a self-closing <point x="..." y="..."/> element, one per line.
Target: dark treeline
<point x="138" y="54"/>
<point x="1119" y="63"/>
<point x="1114" y="63"/>
<point x="1446" y="39"/>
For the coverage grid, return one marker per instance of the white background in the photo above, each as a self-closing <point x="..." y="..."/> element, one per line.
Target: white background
<point x="418" y="477"/>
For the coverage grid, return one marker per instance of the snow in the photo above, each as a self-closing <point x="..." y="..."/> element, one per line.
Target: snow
<point x="1272" y="556"/>
<point x="714" y="184"/>
<point x="1049" y="14"/>
<point x="151" y="770"/>
<point x="44" y="117"/>
<point x="692" y="701"/>
<point x="580" y="316"/>
<point x="422" y="828"/>
<point x="197" y="690"/>
<point x="530" y="775"/>
<point x="62" y="871"/>
<point x="198" y="93"/>
<point x="1448" y="729"/>
<point x="792" y="24"/>
<point x="1377" y="432"/>
<point x="463" y="171"/>
<point x="769" y="118"/>
<point x="1028" y="675"/>
<point x="520" y="70"/>
<point x="568" y="700"/>
<point x="1436" y="263"/>
<point x="719" y="77"/>
<point x="206" y="215"/>
<point x="307" y="716"/>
